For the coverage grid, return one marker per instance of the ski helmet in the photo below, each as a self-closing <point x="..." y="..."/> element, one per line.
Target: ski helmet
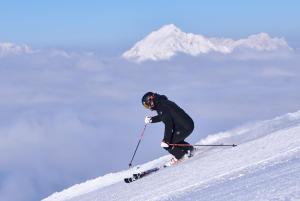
<point x="147" y="100"/>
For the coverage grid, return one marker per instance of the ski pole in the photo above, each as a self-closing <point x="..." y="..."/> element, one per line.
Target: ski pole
<point x="204" y="145"/>
<point x="142" y="134"/>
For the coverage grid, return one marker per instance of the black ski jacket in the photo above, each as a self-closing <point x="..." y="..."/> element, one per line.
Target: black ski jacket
<point x="178" y="124"/>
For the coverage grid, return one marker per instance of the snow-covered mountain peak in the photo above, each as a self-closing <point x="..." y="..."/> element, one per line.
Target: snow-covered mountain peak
<point x="166" y="38"/>
<point x="168" y="29"/>
<point x="169" y="40"/>
<point x="165" y="43"/>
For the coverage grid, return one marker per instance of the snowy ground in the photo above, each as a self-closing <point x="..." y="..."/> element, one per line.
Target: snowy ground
<point x="264" y="166"/>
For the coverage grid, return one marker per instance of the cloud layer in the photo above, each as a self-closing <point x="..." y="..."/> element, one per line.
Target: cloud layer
<point x="170" y="40"/>
<point x="70" y="116"/>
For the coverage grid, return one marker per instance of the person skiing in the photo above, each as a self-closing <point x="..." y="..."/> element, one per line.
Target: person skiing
<point x="178" y="124"/>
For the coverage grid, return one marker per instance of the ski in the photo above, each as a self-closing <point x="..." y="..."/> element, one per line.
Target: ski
<point x="140" y="175"/>
<point x="189" y="155"/>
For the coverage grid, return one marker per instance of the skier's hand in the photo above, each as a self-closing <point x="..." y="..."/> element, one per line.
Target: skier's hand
<point x="164" y="145"/>
<point x="148" y="120"/>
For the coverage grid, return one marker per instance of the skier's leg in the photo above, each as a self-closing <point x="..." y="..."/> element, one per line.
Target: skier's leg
<point x="187" y="148"/>
<point x="179" y="138"/>
<point x="177" y="152"/>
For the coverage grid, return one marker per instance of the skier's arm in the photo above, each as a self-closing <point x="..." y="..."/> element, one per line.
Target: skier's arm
<point x="156" y="119"/>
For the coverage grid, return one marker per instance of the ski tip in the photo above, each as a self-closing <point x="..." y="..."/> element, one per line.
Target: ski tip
<point x="234" y="145"/>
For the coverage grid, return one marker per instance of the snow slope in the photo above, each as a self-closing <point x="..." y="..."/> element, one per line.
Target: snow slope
<point x="264" y="166"/>
<point x="170" y="40"/>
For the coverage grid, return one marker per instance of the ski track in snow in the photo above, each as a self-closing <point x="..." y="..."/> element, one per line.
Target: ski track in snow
<point x="278" y="179"/>
<point x="264" y="166"/>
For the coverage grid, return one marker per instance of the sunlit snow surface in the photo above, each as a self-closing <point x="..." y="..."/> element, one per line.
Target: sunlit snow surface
<point x="265" y="166"/>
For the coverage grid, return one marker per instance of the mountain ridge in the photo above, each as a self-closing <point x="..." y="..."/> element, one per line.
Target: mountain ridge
<point x="169" y="40"/>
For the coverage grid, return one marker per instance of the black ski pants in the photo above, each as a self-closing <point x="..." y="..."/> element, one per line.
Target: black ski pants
<point x="178" y="137"/>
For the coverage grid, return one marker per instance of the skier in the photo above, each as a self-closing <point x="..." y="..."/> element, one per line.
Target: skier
<point x="178" y="124"/>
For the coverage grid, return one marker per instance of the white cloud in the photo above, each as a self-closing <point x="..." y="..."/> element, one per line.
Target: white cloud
<point x="170" y="40"/>
<point x="7" y="49"/>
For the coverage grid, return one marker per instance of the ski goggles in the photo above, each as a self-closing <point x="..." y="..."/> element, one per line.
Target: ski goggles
<point x="146" y="105"/>
<point x="149" y="102"/>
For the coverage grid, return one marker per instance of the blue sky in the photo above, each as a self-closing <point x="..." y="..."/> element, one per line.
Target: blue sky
<point x="115" y="23"/>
